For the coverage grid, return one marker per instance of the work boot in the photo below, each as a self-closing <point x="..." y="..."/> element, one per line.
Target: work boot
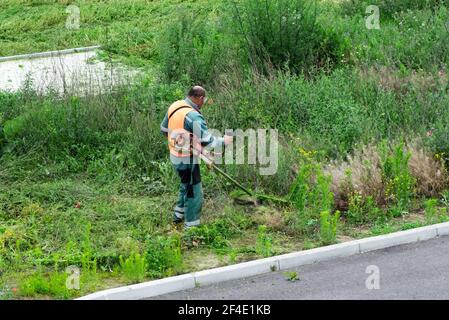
<point x="178" y="215"/>
<point x="177" y="221"/>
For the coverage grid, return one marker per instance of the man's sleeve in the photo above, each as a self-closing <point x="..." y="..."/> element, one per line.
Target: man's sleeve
<point x="195" y="123"/>
<point x="164" y="125"/>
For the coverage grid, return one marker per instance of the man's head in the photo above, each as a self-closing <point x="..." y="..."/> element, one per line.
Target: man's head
<point x="198" y="95"/>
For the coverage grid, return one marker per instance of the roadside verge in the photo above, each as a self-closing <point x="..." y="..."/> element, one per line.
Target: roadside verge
<point x="256" y="267"/>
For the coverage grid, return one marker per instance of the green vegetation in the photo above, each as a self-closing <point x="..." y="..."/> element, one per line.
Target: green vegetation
<point x="399" y="180"/>
<point x="433" y="214"/>
<point x="164" y="255"/>
<point x="264" y="242"/>
<point x="291" y="276"/>
<point x="85" y="181"/>
<point x="133" y="268"/>
<point x="328" y="226"/>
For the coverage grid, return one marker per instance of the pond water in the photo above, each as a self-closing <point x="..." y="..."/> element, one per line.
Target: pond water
<point x="76" y="73"/>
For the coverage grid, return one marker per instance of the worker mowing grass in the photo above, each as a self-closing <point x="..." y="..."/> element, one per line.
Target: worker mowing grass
<point x="187" y="134"/>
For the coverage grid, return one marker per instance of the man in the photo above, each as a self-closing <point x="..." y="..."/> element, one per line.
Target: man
<point x="186" y="130"/>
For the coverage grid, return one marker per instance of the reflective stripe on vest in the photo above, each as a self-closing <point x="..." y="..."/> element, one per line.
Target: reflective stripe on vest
<point x="179" y="139"/>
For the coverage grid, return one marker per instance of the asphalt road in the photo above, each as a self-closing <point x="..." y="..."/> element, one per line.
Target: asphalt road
<point x="415" y="271"/>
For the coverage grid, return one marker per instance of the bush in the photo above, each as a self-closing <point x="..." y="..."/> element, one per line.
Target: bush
<point x="284" y="33"/>
<point x="193" y="50"/>
<point x="361" y="174"/>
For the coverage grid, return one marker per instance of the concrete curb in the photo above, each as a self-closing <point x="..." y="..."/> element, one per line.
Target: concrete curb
<point x="48" y="53"/>
<point x="281" y="262"/>
<point x="146" y="289"/>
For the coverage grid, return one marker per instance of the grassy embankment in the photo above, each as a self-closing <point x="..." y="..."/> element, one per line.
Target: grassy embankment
<point x="362" y="115"/>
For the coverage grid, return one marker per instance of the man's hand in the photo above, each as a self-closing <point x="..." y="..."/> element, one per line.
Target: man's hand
<point x="228" y="140"/>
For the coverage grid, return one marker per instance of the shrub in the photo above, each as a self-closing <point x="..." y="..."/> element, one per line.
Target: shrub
<point x="163" y="256"/>
<point x="193" y="50"/>
<point x="284" y="33"/>
<point x="134" y="267"/>
<point x="328" y="226"/>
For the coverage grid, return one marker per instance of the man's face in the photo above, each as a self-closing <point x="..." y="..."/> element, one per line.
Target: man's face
<point x="200" y="101"/>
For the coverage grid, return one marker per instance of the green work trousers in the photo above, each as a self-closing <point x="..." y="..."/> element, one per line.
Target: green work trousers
<point x="190" y="200"/>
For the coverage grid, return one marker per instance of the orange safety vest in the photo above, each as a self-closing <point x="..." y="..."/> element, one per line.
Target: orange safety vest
<point x="180" y="141"/>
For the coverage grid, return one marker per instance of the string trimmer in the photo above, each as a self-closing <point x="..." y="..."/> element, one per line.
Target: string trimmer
<point x="254" y="198"/>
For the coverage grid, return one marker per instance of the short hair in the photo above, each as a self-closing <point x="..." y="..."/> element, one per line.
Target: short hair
<point x="197" y="91"/>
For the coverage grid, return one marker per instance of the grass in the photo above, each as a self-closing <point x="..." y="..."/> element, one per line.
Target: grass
<point x="85" y="181"/>
<point x="120" y="227"/>
<point x="126" y="28"/>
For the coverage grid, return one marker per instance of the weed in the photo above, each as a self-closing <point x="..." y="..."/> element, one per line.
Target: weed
<point x="311" y="195"/>
<point x="399" y="183"/>
<point x="264" y="242"/>
<point x="291" y="276"/>
<point x="192" y="49"/>
<point x="445" y="199"/>
<point x="214" y="235"/>
<point x="88" y="262"/>
<point x="39" y="283"/>
<point x="363" y="210"/>
<point x="308" y="244"/>
<point x="163" y="256"/>
<point x="233" y="255"/>
<point x="381" y="228"/>
<point x="134" y="267"/>
<point x="328" y="226"/>
<point x="433" y="214"/>
<point x="411" y="225"/>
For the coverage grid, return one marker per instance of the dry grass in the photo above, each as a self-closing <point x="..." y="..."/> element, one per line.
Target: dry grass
<point x="270" y="217"/>
<point x="362" y="173"/>
<point x="431" y="175"/>
<point x="391" y="80"/>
